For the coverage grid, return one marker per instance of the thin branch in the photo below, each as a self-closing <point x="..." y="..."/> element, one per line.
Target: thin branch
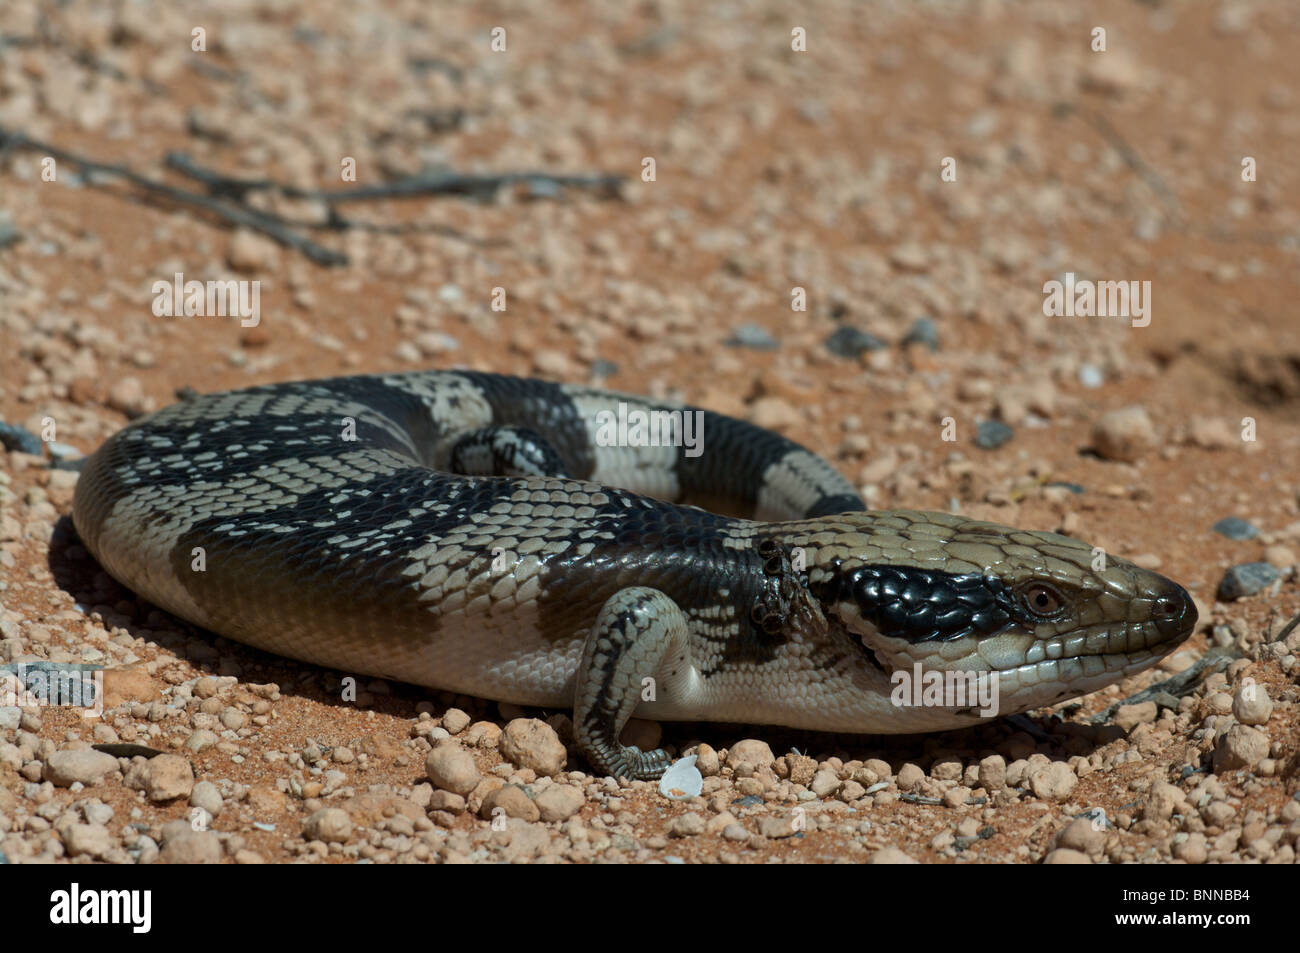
<point x="426" y="183"/>
<point x="1132" y="158"/>
<point x="226" y="196"/>
<point x="1215" y="660"/>
<point x="239" y="215"/>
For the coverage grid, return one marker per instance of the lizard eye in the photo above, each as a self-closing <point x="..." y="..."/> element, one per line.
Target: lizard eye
<point x="1043" y="600"/>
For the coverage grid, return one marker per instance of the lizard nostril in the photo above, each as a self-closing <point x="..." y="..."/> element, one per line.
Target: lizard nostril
<point x="1174" y="614"/>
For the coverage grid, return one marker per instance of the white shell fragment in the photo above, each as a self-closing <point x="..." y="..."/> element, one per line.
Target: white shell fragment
<point x="683" y="780"/>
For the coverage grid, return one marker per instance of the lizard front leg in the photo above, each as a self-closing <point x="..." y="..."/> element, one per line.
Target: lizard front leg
<point x="637" y="631"/>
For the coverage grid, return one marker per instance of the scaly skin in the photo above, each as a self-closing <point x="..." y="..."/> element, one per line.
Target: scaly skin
<point x="318" y="520"/>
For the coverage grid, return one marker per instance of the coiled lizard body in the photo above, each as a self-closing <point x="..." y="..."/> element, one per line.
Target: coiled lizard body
<point x="525" y="541"/>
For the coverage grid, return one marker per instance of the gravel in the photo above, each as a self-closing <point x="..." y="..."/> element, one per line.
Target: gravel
<point x="452" y="768"/>
<point x="532" y="743"/>
<point x="753" y="336"/>
<point x="1246" y="579"/>
<point x="848" y="341"/>
<point x="1234" y="527"/>
<point x="925" y="332"/>
<point x="1124" y="435"/>
<point x="991" y="434"/>
<point x="87" y="767"/>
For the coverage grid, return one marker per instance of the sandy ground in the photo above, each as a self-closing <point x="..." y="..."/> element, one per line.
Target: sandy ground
<point x="775" y="169"/>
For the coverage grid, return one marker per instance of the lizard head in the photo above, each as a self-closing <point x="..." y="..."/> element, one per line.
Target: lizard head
<point x="1051" y="616"/>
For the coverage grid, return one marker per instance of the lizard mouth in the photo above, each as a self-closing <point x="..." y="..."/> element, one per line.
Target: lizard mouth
<point x="1026" y="671"/>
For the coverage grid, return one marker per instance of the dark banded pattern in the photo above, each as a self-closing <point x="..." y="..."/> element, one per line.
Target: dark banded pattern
<point x="494" y="536"/>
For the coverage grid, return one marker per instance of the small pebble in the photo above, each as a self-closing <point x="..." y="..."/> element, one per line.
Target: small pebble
<point x="753" y="336"/>
<point x="1246" y="579"/>
<point x="991" y="434"/>
<point x="848" y="341"/>
<point x="923" y="331"/>
<point x="1233" y="527"/>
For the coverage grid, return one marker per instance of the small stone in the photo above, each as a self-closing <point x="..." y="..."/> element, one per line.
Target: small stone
<point x="910" y="777"/>
<point x="1163" y="801"/>
<point x="1091" y="376"/>
<point x="687" y="825"/>
<point x="890" y="855"/>
<point x="707" y="761"/>
<point x="802" y="768"/>
<point x="993" y="773"/>
<point x="1234" y="527"/>
<point x="167" y="777"/>
<point x="1240" y="747"/>
<point x="850" y="791"/>
<point x="201" y="739"/>
<point x="189" y="846"/>
<point x="455" y="721"/>
<point x="848" y="341"/>
<point x="330" y="824"/>
<point x="1124" y="435"/>
<point x="441" y="800"/>
<point x="910" y="256"/>
<point x="753" y="336"/>
<point x="1055" y="782"/>
<point x="1191" y="851"/>
<point x="955" y="797"/>
<point x="750" y="751"/>
<point x="19" y="439"/>
<point x="1246" y="579"/>
<point x="126" y="395"/>
<point x="1063" y="855"/>
<point x="552" y="363"/>
<point x="452" y="768"/>
<point x="532" y="743"/>
<point x="433" y="343"/>
<point x="1251" y="704"/>
<point x="735" y="832"/>
<point x="774" y="413"/>
<point x="559" y="802"/>
<point x="65" y="768"/>
<point x="1129" y="717"/>
<point x="91" y="839"/>
<point x="1279" y="556"/>
<point x="206" y="796"/>
<point x="824" y="783"/>
<point x="924" y="332"/>
<point x="946" y="769"/>
<point x="1083" y="835"/>
<point x="249" y="252"/>
<point x="991" y="434"/>
<point x="513" y="801"/>
<point x="1211" y="433"/>
<point x="129" y="684"/>
<point x="776" y="827"/>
